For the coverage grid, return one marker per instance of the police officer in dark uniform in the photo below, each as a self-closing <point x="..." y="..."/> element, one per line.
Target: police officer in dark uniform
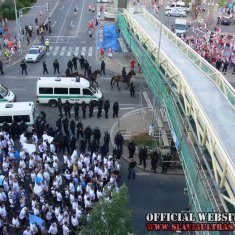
<point x="65" y="123"/>
<point x="70" y="66"/>
<point x="84" y="109"/>
<point x="72" y="127"/>
<point x="82" y="145"/>
<point x="44" y="65"/>
<point x="23" y="66"/>
<point x="106" y="139"/>
<point x="154" y="159"/>
<point x="88" y="134"/>
<point x="97" y="135"/>
<point x="6" y="127"/>
<point x="85" y="66"/>
<point x="56" y="66"/>
<point x="93" y="147"/>
<point x="116" y="153"/>
<point x="132" y="89"/>
<point x="59" y="124"/>
<point x="72" y="144"/>
<point x="143" y="156"/>
<point x="79" y="130"/>
<point x="67" y="108"/>
<point x="65" y="143"/>
<point x="102" y="67"/>
<point x="67" y="72"/>
<point x="22" y="127"/>
<point x="91" y="107"/>
<point x="165" y="163"/>
<point x="131" y="149"/>
<point x="119" y="140"/>
<point x="81" y="61"/>
<point x="100" y="106"/>
<point x="115" y="109"/>
<point x="14" y="129"/>
<point x="75" y="62"/>
<point x="60" y="106"/>
<point x="106" y="108"/>
<point x="76" y="111"/>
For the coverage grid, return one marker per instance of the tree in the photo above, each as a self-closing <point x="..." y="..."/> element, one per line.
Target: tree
<point x="110" y="217"/>
<point x="222" y="3"/>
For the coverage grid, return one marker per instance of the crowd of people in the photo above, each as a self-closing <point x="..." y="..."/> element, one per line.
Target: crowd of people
<point x="215" y="47"/>
<point x="52" y="188"/>
<point x="9" y="44"/>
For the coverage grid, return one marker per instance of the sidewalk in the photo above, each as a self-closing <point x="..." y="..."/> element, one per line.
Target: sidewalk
<point x="29" y="18"/>
<point x="134" y="123"/>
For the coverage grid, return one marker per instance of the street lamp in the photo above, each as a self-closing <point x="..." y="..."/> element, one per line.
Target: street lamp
<point x="17" y="27"/>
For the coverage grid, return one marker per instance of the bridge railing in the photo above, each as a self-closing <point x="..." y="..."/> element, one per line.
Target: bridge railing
<point x="204" y="66"/>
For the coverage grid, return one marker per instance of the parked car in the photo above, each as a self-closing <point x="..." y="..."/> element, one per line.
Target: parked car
<point x="176" y="12"/>
<point x="35" y="53"/>
<point x="226" y="19"/>
<point x="104" y="1"/>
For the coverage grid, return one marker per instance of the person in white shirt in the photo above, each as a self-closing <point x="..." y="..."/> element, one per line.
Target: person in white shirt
<point x="27" y="231"/>
<point x="23" y="214"/>
<point x="33" y="228"/>
<point x="15" y="223"/>
<point x="3" y="196"/>
<point x="53" y="229"/>
<point x="65" y="229"/>
<point x="59" y="198"/>
<point x="74" y="221"/>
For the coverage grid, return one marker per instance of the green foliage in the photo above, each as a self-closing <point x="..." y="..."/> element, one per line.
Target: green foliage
<point x="222" y="3"/>
<point x="110" y="218"/>
<point x="7" y="8"/>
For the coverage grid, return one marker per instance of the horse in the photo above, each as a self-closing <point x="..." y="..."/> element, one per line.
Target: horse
<point x="93" y="76"/>
<point x="119" y="78"/>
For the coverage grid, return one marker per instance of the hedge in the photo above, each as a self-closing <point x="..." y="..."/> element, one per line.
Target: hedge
<point x="7" y="9"/>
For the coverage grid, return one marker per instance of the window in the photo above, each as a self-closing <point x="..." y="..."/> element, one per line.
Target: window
<point x="7" y="119"/>
<point x="74" y="91"/>
<point x="60" y="90"/>
<point x="87" y="92"/>
<point x="19" y="118"/>
<point x="45" y="90"/>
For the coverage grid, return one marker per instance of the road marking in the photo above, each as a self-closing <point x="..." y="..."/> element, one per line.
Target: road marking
<point x="70" y="51"/>
<point x="83" y="42"/>
<point x="53" y="24"/>
<point x="49" y="52"/>
<point x="13" y="89"/>
<point x="146" y="97"/>
<point x="61" y="8"/>
<point x="142" y="173"/>
<point x="80" y="19"/>
<point x="62" y="51"/>
<point x="76" y="51"/>
<point x="90" y="51"/>
<point x="56" y="51"/>
<point x="72" y="24"/>
<point x="65" y="19"/>
<point x="83" y="51"/>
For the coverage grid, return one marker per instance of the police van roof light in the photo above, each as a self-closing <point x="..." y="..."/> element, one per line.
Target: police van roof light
<point x="9" y="105"/>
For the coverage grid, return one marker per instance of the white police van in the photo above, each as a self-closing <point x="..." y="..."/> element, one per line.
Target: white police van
<point x="18" y="111"/>
<point x="73" y="89"/>
<point x="6" y="95"/>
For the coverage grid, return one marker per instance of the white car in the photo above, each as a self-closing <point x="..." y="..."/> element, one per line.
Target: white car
<point x="176" y="12"/>
<point x="104" y="1"/>
<point x="35" y="53"/>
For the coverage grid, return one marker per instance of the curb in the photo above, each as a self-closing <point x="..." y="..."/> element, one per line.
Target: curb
<point x="130" y="113"/>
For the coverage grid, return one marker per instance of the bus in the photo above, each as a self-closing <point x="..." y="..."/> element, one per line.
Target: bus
<point x="73" y="89"/>
<point x="18" y="111"/>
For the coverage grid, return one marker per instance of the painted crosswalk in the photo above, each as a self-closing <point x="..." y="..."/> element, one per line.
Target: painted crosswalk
<point x="70" y="51"/>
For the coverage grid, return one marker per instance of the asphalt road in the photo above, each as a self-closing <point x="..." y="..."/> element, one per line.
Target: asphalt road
<point x="149" y="192"/>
